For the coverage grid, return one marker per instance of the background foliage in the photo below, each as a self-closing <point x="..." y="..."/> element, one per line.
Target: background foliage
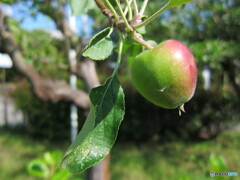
<point x="212" y="34"/>
<point x="211" y="30"/>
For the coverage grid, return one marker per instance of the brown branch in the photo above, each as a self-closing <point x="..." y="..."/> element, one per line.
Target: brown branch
<point x="44" y="89"/>
<point x="61" y="66"/>
<point x="107" y="12"/>
<point x="85" y="68"/>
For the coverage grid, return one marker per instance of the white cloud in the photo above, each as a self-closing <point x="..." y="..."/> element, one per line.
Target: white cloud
<point x="55" y="34"/>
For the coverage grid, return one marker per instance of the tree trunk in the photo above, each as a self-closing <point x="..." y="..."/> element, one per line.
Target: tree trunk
<point x="100" y="171"/>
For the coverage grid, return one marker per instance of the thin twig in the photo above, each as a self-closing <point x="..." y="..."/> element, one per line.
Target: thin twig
<point x="135" y="6"/>
<point x="105" y="10"/>
<point x="109" y="5"/>
<point x="129" y="9"/>
<point x="155" y="15"/>
<point x="123" y="16"/>
<point x="141" y="41"/>
<point x="143" y="7"/>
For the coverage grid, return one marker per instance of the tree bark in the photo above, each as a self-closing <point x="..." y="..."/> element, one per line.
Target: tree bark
<point x="230" y="70"/>
<point x="100" y="171"/>
<point x="45" y="89"/>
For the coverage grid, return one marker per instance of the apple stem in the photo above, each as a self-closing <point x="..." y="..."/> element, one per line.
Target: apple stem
<point x="121" y="41"/>
<point x="141" y="41"/>
<point x="123" y="16"/>
<point x="112" y="9"/>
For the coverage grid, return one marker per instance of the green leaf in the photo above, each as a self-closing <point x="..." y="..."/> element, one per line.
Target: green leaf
<point x="174" y="3"/>
<point x="100" y="129"/>
<point x="38" y="168"/>
<point x="62" y="174"/>
<point x="216" y="164"/>
<point x="141" y="30"/>
<point x="132" y="50"/>
<point x="53" y="158"/>
<point x="48" y="158"/>
<point x="100" y="47"/>
<point x="7" y="1"/>
<point x="153" y="43"/>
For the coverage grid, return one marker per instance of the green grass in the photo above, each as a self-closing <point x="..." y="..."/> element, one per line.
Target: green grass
<point x="174" y="160"/>
<point x="16" y="152"/>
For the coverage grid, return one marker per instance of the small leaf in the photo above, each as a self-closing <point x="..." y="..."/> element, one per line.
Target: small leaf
<point x="100" y="47"/>
<point x="153" y="43"/>
<point x="216" y="163"/>
<point x="38" y="168"/>
<point x="174" y="3"/>
<point x="100" y="129"/>
<point x="141" y="30"/>
<point x="61" y="174"/>
<point x="132" y="50"/>
<point x="48" y="158"/>
<point x="53" y="158"/>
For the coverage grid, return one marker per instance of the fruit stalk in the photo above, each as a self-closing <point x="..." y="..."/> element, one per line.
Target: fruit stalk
<point x="141" y="41"/>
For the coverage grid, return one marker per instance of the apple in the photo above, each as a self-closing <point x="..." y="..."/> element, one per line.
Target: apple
<point x="165" y="75"/>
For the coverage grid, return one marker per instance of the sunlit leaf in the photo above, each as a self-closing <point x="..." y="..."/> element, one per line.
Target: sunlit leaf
<point x="100" y="47"/>
<point x="216" y="164"/>
<point x="62" y="174"/>
<point x="38" y="168"/>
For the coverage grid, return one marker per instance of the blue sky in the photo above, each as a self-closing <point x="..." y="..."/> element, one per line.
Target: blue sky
<point x="21" y="12"/>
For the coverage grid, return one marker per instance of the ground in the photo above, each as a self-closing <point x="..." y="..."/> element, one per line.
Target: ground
<point x="174" y="160"/>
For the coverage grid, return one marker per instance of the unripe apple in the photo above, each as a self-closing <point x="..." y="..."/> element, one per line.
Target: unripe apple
<point x="165" y="75"/>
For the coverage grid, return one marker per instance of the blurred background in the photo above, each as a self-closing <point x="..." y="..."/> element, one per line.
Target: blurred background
<point x="42" y="71"/>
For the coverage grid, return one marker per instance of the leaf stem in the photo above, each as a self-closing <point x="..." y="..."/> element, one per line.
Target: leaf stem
<point x="143" y="7"/>
<point x="110" y="32"/>
<point x="126" y="9"/>
<point x="129" y="9"/>
<point x="135" y="6"/>
<point x="155" y="15"/>
<point x="123" y="16"/>
<point x="121" y="40"/>
<point x="112" y="9"/>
